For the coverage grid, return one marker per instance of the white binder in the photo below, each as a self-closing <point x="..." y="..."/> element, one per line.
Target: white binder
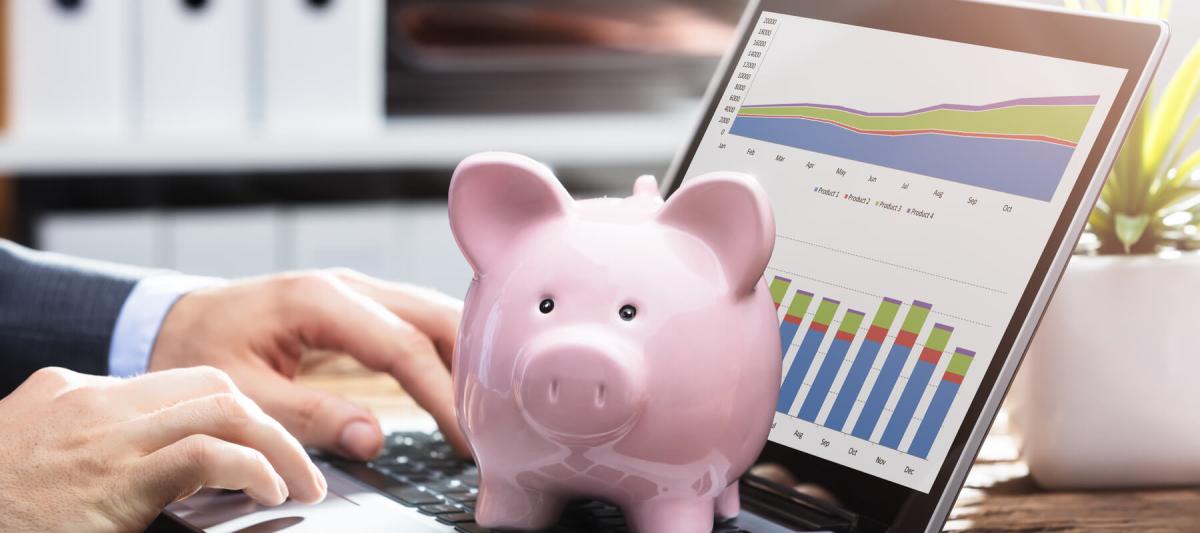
<point x="132" y="237"/>
<point x="322" y="65"/>
<point x="70" y="67"/>
<point x="225" y="242"/>
<point x="196" y="62"/>
<point x="359" y="236"/>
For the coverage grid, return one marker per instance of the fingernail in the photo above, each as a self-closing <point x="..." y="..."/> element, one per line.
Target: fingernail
<point x="283" y="489"/>
<point x="359" y="439"/>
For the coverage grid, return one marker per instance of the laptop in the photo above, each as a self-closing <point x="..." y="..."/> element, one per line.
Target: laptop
<point x="931" y="165"/>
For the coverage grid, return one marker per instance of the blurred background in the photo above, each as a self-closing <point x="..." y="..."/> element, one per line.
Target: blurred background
<point x="233" y="137"/>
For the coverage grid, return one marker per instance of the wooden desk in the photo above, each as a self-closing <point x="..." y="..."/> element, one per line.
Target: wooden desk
<point x="999" y="494"/>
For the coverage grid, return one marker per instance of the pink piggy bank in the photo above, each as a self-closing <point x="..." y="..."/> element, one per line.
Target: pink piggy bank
<point x="618" y="349"/>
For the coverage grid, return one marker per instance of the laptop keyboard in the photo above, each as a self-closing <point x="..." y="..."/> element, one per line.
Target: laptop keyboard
<point x="420" y="470"/>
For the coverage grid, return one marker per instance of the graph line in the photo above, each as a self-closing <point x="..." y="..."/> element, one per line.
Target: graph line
<point x="1040" y="100"/>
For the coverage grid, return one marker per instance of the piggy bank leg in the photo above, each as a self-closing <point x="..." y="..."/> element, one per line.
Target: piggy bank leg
<point x="683" y="515"/>
<point x="508" y="506"/>
<point x="728" y="503"/>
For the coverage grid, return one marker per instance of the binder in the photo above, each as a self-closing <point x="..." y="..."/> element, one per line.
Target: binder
<point x="196" y="60"/>
<point x="226" y="242"/>
<point x="425" y="233"/>
<point x="71" y="67"/>
<point x="322" y="65"/>
<point x="129" y="237"/>
<point x="359" y="236"/>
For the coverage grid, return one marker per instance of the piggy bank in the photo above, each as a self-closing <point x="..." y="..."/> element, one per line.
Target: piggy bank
<point x="620" y="349"/>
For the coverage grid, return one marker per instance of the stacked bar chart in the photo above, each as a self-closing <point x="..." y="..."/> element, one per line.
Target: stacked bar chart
<point x="915" y="387"/>
<point x="812" y="391"/>
<point x="890" y="372"/>
<point x="940" y="405"/>
<point x="831" y="364"/>
<point x="813" y="338"/>
<point x="795" y="311"/>
<point x="867" y="352"/>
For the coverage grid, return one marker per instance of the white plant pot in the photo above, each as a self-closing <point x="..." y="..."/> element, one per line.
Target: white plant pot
<point x="1109" y="394"/>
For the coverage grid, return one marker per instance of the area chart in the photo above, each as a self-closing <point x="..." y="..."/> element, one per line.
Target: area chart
<point x="1020" y="146"/>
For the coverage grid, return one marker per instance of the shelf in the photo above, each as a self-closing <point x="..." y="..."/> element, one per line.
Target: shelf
<point x="573" y="139"/>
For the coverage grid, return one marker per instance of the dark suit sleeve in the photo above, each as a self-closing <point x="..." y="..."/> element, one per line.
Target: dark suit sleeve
<point x="56" y="311"/>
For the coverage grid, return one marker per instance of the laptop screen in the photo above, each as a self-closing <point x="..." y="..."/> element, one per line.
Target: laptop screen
<point x="915" y="184"/>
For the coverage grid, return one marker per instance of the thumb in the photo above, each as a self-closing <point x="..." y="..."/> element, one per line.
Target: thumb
<point x="317" y="418"/>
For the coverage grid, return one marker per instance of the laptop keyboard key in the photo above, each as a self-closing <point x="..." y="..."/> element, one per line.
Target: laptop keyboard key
<point x="413" y="496"/>
<point x="455" y="518"/>
<point x="445" y="486"/>
<point x="465" y="497"/>
<point x="439" y="508"/>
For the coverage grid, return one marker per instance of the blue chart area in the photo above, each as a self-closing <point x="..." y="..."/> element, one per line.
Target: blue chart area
<point x="1026" y="168"/>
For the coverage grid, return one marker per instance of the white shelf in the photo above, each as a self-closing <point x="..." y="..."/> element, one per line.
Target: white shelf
<point x="584" y="139"/>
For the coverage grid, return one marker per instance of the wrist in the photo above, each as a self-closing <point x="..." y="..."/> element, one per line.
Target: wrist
<point x="142" y="316"/>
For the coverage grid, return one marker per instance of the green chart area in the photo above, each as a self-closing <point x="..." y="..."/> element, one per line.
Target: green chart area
<point x="1019" y="146"/>
<point x="1057" y="120"/>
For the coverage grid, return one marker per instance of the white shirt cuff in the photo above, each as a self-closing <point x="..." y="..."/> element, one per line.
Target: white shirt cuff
<point x="141" y="317"/>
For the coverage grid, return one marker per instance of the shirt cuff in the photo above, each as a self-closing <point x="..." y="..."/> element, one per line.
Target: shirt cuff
<point x="141" y="317"/>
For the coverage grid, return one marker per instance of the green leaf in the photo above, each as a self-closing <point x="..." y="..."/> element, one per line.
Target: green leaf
<point x="1183" y="172"/>
<point x="1099" y="220"/>
<point x="1168" y="114"/>
<point x="1129" y="229"/>
<point x="1128" y="176"/>
<point x="1111" y="191"/>
<point x="1152" y="175"/>
<point x="1169" y="197"/>
<point x="1184" y="141"/>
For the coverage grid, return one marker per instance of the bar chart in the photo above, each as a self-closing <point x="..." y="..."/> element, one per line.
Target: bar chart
<point x="823" y="385"/>
<point x="914" y="189"/>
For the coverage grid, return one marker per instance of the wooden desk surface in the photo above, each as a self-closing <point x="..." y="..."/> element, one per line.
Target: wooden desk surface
<point x="999" y="494"/>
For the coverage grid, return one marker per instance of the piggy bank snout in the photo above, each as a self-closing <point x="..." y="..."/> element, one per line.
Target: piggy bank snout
<point x="579" y="391"/>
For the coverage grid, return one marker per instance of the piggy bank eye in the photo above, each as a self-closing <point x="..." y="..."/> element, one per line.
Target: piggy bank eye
<point x="627" y="312"/>
<point x="546" y="306"/>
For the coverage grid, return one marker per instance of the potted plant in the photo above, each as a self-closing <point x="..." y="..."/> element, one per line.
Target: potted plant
<point x="1109" y="393"/>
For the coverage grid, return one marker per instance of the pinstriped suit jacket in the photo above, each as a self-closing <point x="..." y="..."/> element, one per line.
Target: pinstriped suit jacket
<point x="56" y="311"/>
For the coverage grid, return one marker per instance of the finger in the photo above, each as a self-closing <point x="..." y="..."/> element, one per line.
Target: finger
<point x="234" y="418"/>
<point x="329" y="315"/>
<point x="155" y="390"/>
<point x="429" y="383"/>
<point x="318" y="418"/>
<point x="184" y="467"/>
<point x="433" y="313"/>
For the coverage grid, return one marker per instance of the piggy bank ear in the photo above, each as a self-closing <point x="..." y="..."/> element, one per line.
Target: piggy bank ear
<point x="729" y="212"/>
<point x="495" y="196"/>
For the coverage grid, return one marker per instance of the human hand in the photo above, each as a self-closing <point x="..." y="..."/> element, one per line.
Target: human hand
<point x="90" y="453"/>
<point x="256" y="330"/>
